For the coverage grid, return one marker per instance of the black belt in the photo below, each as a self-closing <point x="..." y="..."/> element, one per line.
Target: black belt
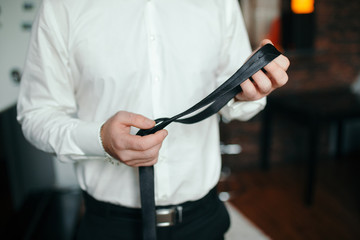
<point x="214" y="102"/>
<point x="169" y="215"/>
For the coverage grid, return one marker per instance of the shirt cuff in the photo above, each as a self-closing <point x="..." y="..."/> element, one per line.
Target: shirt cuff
<point x="242" y="110"/>
<point x="87" y="137"/>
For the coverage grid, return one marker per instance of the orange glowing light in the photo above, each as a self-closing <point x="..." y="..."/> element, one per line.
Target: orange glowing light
<point x="302" y="6"/>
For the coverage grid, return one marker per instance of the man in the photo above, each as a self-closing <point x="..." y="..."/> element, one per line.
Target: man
<point x="97" y="71"/>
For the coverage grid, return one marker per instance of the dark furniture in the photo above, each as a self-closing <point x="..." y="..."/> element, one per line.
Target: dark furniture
<point x="313" y="108"/>
<point x="50" y="214"/>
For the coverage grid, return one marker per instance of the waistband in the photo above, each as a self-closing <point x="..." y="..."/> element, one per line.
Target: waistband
<point x="166" y="215"/>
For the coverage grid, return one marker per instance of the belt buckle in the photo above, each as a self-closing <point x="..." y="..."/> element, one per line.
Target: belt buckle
<point x="166" y="217"/>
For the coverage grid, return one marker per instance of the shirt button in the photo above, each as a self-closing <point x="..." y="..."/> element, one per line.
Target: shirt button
<point x="152" y="38"/>
<point x="156" y="79"/>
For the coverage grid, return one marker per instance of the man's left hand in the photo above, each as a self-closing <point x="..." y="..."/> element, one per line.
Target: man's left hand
<point x="265" y="82"/>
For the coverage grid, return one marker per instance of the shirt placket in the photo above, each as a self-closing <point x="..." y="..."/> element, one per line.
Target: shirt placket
<point x="154" y="58"/>
<point x="162" y="180"/>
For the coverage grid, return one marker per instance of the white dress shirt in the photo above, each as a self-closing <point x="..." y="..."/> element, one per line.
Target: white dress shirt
<point x="89" y="59"/>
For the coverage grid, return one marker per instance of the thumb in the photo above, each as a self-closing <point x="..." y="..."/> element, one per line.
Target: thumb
<point x="135" y="120"/>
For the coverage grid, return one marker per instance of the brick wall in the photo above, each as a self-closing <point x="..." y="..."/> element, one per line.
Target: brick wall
<point x="335" y="61"/>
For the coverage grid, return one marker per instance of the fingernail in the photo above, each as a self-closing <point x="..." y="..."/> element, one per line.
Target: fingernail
<point x="165" y="133"/>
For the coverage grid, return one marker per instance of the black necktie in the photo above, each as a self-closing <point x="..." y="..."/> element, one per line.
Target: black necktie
<point x="213" y="103"/>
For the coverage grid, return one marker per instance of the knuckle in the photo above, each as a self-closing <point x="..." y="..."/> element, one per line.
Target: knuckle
<point x="131" y="164"/>
<point x="123" y="157"/>
<point x="283" y="79"/>
<point x="117" y="145"/>
<point x="266" y="86"/>
<point x="283" y="62"/>
<point x="271" y="67"/>
<point x="140" y="145"/>
<point x="151" y="153"/>
<point x="132" y="117"/>
<point x="119" y="115"/>
<point x="159" y="138"/>
<point x="286" y="62"/>
<point x="250" y="93"/>
<point x="150" y="163"/>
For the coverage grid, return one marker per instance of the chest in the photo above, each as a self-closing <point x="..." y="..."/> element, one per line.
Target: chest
<point x="126" y="39"/>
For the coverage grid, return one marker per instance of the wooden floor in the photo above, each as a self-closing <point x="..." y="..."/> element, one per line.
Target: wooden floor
<point x="273" y="200"/>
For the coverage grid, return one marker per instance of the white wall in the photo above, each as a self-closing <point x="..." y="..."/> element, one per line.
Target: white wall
<point x="14" y="37"/>
<point x="29" y="169"/>
<point x="258" y="16"/>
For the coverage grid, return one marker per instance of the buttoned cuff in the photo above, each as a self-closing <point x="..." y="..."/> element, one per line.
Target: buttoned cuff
<point x="242" y="110"/>
<point x="87" y="138"/>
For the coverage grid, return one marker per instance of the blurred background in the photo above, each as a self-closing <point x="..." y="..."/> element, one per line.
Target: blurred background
<point x="292" y="171"/>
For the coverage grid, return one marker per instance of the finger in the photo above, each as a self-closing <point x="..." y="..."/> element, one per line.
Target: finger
<point x="263" y="83"/>
<point x="146" y="164"/>
<point x="143" y="143"/>
<point x="128" y="156"/>
<point x="277" y="75"/>
<point x="265" y="41"/>
<point x="262" y="43"/>
<point x="282" y="62"/>
<point x="141" y="162"/>
<point x="249" y="90"/>
<point x="133" y="119"/>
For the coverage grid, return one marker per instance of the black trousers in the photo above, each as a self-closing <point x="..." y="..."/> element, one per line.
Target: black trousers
<point x="205" y="219"/>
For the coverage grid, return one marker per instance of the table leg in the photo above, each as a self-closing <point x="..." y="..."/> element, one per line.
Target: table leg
<point x="339" y="138"/>
<point x="312" y="162"/>
<point x="265" y="139"/>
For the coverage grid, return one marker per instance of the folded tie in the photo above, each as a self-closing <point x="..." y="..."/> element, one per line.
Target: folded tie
<point x="211" y="104"/>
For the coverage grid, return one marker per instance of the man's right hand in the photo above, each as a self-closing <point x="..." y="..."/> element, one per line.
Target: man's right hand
<point x="132" y="150"/>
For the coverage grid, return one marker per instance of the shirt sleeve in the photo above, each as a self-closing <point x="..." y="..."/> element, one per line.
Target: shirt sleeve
<point x="236" y="49"/>
<point x="47" y="109"/>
